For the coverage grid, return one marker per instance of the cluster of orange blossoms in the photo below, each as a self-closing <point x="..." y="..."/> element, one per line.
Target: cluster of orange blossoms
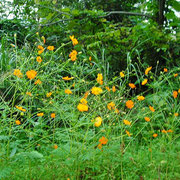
<point x="73" y="55"/>
<point x="102" y="141"/>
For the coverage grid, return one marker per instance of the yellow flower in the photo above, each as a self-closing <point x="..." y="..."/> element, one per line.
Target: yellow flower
<point x="178" y="90"/>
<point x="38" y="82"/>
<point x="122" y="74"/>
<point x="90" y="58"/>
<point x="175" y="94"/>
<point x="103" y="140"/>
<point x="144" y="81"/>
<point x="21" y="108"/>
<point x="155" y="135"/>
<point x="114" y="89"/>
<point x="44" y="40"/>
<point x="67" y="78"/>
<point x="83" y="101"/>
<point x="68" y="91"/>
<point x="131" y="85"/>
<point x="31" y="74"/>
<point x="176" y="114"/>
<point x="73" y="55"/>
<point x="151" y="108"/>
<point x="53" y="115"/>
<point x="128" y="133"/>
<point x="126" y="122"/>
<point x="129" y="104"/>
<point x="147" y="70"/>
<point x="107" y="88"/>
<point x="48" y="94"/>
<point x="18" y="122"/>
<point x="111" y="105"/>
<point x="98" y="121"/>
<point x="50" y="48"/>
<point x="175" y="75"/>
<point x="39" y="59"/>
<point x="82" y="107"/>
<point x="165" y="70"/>
<point x="40" y="114"/>
<point x="100" y="79"/>
<point x="74" y="40"/>
<point x="40" y="47"/>
<point x="96" y="90"/>
<point x="28" y="93"/>
<point x="40" y="51"/>
<point x="147" y="119"/>
<point x="17" y="72"/>
<point x="140" y="98"/>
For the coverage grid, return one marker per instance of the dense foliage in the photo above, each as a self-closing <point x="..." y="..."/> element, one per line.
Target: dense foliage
<point x="89" y="89"/>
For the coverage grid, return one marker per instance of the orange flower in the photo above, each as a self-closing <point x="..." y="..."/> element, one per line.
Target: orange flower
<point x="175" y="75"/>
<point x="82" y="107"/>
<point x="67" y="78"/>
<point x="144" y="81"/>
<point x="90" y="58"/>
<point x="175" y="94"/>
<point x="53" y="115"/>
<point x="41" y="49"/>
<point x="165" y="70"/>
<point x="68" y="91"/>
<point x="155" y="135"/>
<point x="100" y="79"/>
<point x="99" y="146"/>
<point x="74" y="40"/>
<point x="50" y="48"/>
<point x="18" y="122"/>
<point x="39" y="59"/>
<point x="176" y="114"/>
<point x="73" y="53"/>
<point x="17" y="72"/>
<point x="122" y="74"/>
<point x="170" y="131"/>
<point x="131" y="85"/>
<point x="96" y="90"/>
<point x="178" y="90"/>
<point x="55" y="146"/>
<point x="28" y="93"/>
<point x="38" y="82"/>
<point x="48" y="94"/>
<point x="164" y="131"/>
<point x="31" y="74"/>
<point x="128" y="133"/>
<point x="147" y="70"/>
<point x="98" y="121"/>
<point x="114" y="89"/>
<point x="103" y="140"/>
<point x="108" y="88"/>
<point x="129" y="104"/>
<point x="147" y="119"/>
<point x="126" y="122"/>
<point x="140" y="98"/>
<point x="111" y="106"/>
<point x="40" y="114"/>
<point x="83" y="101"/>
<point x="21" y="108"/>
<point x="86" y="94"/>
<point x="151" y="108"/>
